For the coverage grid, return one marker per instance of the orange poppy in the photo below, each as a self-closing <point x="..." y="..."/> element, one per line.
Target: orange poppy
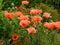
<point x="14" y="37"/>
<point x="35" y="11"/>
<point x="31" y="30"/>
<point x="9" y="15"/>
<point x="23" y="18"/>
<point x="25" y="2"/>
<point x="49" y="25"/>
<point x="24" y="23"/>
<point x="19" y="14"/>
<point x="57" y="25"/>
<point x="36" y="19"/>
<point x="46" y="15"/>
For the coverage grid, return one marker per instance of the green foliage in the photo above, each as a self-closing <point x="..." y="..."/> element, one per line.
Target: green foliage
<point x="11" y="4"/>
<point x="55" y="3"/>
<point x="34" y="2"/>
<point x="7" y="4"/>
<point x="0" y="4"/>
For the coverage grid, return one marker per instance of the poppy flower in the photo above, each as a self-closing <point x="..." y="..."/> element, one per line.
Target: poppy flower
<point x="14" y="37"/>
<point x="36" y="19"/>
<point x="19" y="14"/>
<point x="35" y="11"/>
<point x="31" y="30"/>
<point x="57" y="25"/>
<point x="23" y="18"/>
<point x="24" y="23"/>
<point x="49" y="25"/>
<point x="9" y="15"/>
<point x="25" y="2"/>
<point x="46" y="15"/>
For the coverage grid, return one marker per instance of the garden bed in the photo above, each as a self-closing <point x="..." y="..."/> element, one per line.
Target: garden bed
<point x="24" y="25"/>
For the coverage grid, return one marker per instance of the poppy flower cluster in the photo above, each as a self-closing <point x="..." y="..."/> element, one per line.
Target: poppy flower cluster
<point x="37" y="11"/>
<point x="35" y="16"/>
<point x="24" y="21"/>
<point x="52" y="25"/>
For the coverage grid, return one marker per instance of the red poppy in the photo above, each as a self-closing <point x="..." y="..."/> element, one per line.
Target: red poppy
<point x="31" y="30"/>
<point x="35" y="11"/>
<point x="49" y="25"/>
<point x="14" y="37"/>
<point x="36" y="19"/>
<point x="46" y="15"/>
<point x="23" y="18"/>
<point x="9" y="15"/>
<point x="25" y="2"/>
<point x="24" y="23"/>
<point x="19" y="14"/>
<point x="57" y="25"/>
